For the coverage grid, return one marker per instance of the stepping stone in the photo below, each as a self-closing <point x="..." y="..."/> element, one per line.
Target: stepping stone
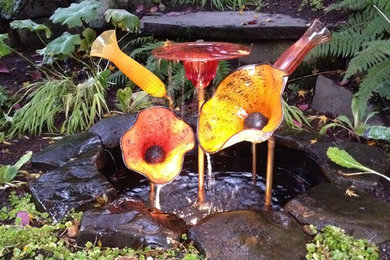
<point x="325" y="204"/>
<point x="82" y="148"/>
<point x="129" y="223"/>
<point x="71" y="187"/>
<point x="249" y="234"/>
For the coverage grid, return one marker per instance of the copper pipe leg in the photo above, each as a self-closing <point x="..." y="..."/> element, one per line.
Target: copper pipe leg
<point x="269" y="173"/>
<point x="254" y="162"/>
<point x="200" y="154"/>
<point x="152" y="194"/>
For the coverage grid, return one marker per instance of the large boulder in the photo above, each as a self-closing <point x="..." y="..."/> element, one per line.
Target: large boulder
<point x="111" y="129"/>
<point x="71" y="187"/>
<point x="249" y="234"/>
<point x="126" y="223"/>
<point x="82" y="148"/>
<point x="325" y="204"/>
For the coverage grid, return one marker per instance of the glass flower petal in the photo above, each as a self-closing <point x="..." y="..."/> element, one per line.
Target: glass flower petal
<point x="156" y="144"/>
<point x="251" y="93"/>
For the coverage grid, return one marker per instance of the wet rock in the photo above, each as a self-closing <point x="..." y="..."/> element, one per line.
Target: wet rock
<point x="332" y="98"/>
<point x="129" y="223"/>
<point x="70" y="187"/>
<point x="370" y="156"/>
<point x="384" y="251"/>
<point x="82" y="149"/>
<point x="249" y="234"/>
<point x="111" y="129"/>
<point x="325" y="204"/>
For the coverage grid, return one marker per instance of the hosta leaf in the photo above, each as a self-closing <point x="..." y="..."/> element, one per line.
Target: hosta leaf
<point x="76" y="13"/>
<point x="31" y="26"/>
<point x="4" y="48"/>
<point x="62" y="46"/>
<point x="342" y="158"/>
<point x="122" y="19"/>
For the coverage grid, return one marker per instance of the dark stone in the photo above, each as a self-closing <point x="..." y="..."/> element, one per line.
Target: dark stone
<point x="128" y="223"/>
<point x="224" y="25"/>
<point x="249" y="234"/>
<point x="384" y="250"/>
<point x="82" y="149"/>
<point x="111" y="129"/>
<point x="71" y="187"/>
<point x="331" y="98"/>
<point x="325" y="204"/>
<point x="370" y="156"/>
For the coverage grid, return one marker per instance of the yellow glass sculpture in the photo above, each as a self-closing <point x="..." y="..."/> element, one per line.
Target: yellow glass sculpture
<point x="156" y="144"/>
<point x="247" y="105"/>
<point x="106" y="46"/>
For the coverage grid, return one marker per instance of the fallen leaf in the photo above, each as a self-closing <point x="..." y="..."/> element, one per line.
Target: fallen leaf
<point x="371" y="143"/>
<point x="4" y="69"/>
<point x="302" y="93"/>
<point x="35" y="75"/>
<point x="111" y="67"/>
<point x="323" y="119"/>
<point x="251" y="22"/>
<point x="22" y="218"/>
<point x="313" y="141"/>
<point x="350" y="193"/>
<point x="73" y="230"/>
<point x="154" y="9"/>
<point x="297" y="124"/>
<point x="303" y="107"/>
<point x="26" y="83"/>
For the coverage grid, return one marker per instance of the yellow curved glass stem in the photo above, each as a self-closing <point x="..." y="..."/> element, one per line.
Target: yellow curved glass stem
<point x="106" y="46"/>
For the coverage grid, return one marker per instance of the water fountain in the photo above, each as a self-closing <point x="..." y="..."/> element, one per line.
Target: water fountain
<point x="245" y="107"/>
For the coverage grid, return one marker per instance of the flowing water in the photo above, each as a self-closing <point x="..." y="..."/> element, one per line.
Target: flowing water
<point x="232" y="188"/>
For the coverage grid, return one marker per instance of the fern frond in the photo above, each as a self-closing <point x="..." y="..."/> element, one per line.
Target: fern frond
<point x="222" y="71"/>
<point x="145" y="49"/>
<point x="348" y="5"/>
<point x="374" y="53"/>
<point x="376" y="27"/>
<point x="374" y="79"/>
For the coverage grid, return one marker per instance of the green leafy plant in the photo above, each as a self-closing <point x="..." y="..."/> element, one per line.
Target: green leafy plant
<point x="80" y="104"/>
<point x="131" y="103"/>
<point x="59" y="94"/>
<point x="217" y="4"/>
<point x="294" y="117"/>
<point x="344" y="159"/>
<point x="364" y="39"/>
<point x="315" y="5"/>
<point x="332" y="243"/>
<point x="7" y="6"/>
<point x="8" y="172"/>
<point x="358" y="126"/>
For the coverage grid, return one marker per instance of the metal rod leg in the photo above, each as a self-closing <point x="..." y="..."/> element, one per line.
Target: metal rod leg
<point x="152" y="194"/>
<point x="200" y="154"/>
<point x="254" y="162"/>
<point x="269" y="173"/>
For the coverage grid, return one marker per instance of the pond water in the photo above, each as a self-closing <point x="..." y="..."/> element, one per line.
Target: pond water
<point x="230" y="187"/>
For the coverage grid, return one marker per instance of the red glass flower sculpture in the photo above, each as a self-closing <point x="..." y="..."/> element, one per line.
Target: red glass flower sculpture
<point x="156" y="144"/>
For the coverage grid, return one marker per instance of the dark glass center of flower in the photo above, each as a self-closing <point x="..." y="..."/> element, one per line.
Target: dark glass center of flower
<point x="154" y="154"/>
<point x="255" y="120"/>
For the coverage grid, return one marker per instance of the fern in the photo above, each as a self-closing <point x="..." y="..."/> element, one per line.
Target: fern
<point x="365" y="40"/>
<point x="375" y="78"/>
<point x="375" y="52"/>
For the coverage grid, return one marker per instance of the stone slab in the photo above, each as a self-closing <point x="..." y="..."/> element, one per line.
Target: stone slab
<point x="71" y="187"/>
<point x="249" y="234"/>
<point x="224" y="25"/>
<point x="325" y="204"/>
